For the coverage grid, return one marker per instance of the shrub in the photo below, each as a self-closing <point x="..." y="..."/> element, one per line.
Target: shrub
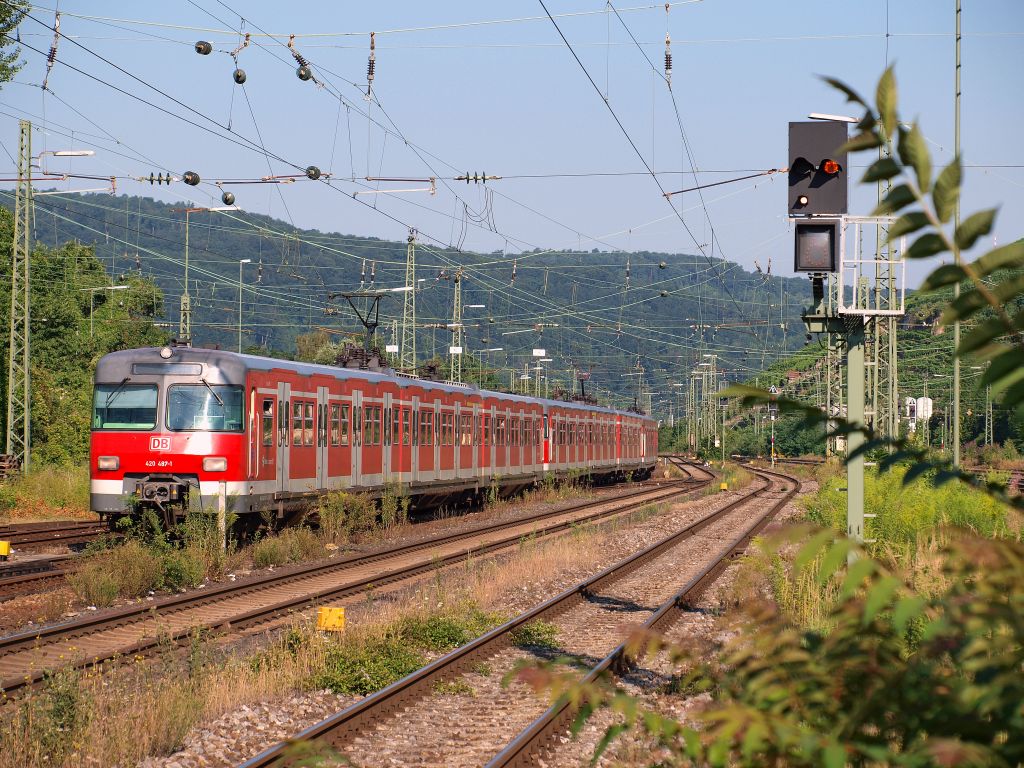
<point x="444" y="632"/>
<point x="342" y="515"/>
<point x="905" y="512"/>
<point x="535" y="634"/>
<point x="182" y="569"/>
<point x="130" y="570"/>
<point x="359" y="669"/>
<point x="290" y="546"/>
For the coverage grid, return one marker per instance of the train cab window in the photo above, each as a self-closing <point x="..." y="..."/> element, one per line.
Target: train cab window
<point x="335" y="424"/>
<point x="124" y="406"/>
<point x="268" y="422"/>
<point x="406" y="428"/>
<point x="307" y="430"/>
<point x="215" y="408"/>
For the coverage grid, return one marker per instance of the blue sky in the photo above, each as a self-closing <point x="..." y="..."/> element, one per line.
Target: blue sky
<point x="509" y="99"/>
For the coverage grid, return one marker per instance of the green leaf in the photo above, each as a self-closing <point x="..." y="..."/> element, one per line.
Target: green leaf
<point x="906" y="609"/>
<point x="1013" y="394"/>
<point x="834" y="756"/>
<point x="1003" y="257"/>
<point x="947" y="274"/>
<point x="886" y="168"/>
<point x="855" y="575"/>
<point x="851" y="95"/>
<point x="885" y="99"/>
<point x="914" y="153"/>
<point x="947" y="190"/>
<point x="973" y="227"/>
<point x="812" y="549"/>
<point x="963" y="307"/>
<point x="1002" y="366"/>
<point x="926" y="245"/>
<point x="833" y="560"/>
<point x="982" y="334"/>
<point x="899" y="197"/>
<point x="879" y="596"/>
<point x="915" y="471"/>
<point x="907" y="223"/>
<point x="862" y="141"/>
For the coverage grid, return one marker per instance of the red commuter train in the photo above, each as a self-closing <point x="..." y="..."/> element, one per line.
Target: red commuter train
<point x="179" y="428"/>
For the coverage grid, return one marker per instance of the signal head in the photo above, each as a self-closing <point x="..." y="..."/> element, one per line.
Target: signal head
<point x="829" y="167"/>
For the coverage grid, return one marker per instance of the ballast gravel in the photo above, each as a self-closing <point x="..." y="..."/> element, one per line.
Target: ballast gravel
<point x="246" y="731"/>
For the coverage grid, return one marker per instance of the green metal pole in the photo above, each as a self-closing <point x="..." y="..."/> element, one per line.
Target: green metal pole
<point x="956" y="287"/>
<point x="855" y="415"/>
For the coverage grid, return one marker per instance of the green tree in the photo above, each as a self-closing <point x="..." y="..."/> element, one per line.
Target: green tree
<point x="11" y="15"/>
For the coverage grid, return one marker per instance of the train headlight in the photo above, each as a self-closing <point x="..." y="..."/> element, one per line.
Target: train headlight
<point x="215" y="464"/>
<point x="166" y="353"/>
<point x="108" y="463"/>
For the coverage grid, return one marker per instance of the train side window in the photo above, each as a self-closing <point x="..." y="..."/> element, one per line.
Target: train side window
<point x="268" y="422"/>
<point x="335" y="424"/>
<point x="296" y="422"/>
<point x="406" y="428"/>
<point x="426" y="427"/>
<point x="367" y="425"/>
<point x="307" y="432"/>
<point x="344" y="428"/>
<point x="486" y="429"/>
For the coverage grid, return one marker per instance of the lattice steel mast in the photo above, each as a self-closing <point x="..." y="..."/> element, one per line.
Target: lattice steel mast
<point x="19" y="417"/>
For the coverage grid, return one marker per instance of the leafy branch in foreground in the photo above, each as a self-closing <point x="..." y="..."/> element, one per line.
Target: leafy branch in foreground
<point x="901" y="678"/>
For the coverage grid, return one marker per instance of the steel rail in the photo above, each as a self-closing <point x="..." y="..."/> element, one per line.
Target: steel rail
<point x="63" y="533"/>
<point x="341" y="726"/>
<point x="82" y="629"/>
<point x="525" y="748"/>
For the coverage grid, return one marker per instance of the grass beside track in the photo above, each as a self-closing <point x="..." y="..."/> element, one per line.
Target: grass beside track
<point x="117" y="714"/>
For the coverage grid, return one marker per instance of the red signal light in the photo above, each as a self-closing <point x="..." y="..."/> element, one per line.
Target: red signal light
<point x="830" y="167"/>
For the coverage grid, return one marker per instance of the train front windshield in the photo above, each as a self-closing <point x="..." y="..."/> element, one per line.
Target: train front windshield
<point x="215" y="408"/>
<point x="124" y="406"/>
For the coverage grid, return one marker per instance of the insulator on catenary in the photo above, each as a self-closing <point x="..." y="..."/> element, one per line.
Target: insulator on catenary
<point x="312" y="172"/>
<point x="668" y="58"/>
<point x="228" y="198"/>
<point x="203" y="48"/>
<point x="371" y="64"/>
<point x="239" y="75"/>
<point x="191" y="178"/>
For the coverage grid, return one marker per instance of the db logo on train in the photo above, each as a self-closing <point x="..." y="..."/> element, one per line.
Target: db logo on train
<point x="159" y="443"/>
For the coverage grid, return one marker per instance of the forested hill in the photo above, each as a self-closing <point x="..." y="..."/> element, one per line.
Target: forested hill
<point x="608" y="312"/>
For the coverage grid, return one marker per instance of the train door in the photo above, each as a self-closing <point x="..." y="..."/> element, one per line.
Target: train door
<point x="389" y="439"/>
<point x="321" y="441"/>
<point x="357" y="438"/>
<point x="265" y="438"/>
<point x="545" y="437"/>
<point x="436" y="408"/>
<point x="284" y="391"/>
<point x="414" y="438"/>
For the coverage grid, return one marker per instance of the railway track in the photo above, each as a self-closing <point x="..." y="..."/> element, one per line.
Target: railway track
<point x="29" y="535"/>
<point x="600" y="601"/>
<point x="23" y="577"/>
<point x="138" y="629"/>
